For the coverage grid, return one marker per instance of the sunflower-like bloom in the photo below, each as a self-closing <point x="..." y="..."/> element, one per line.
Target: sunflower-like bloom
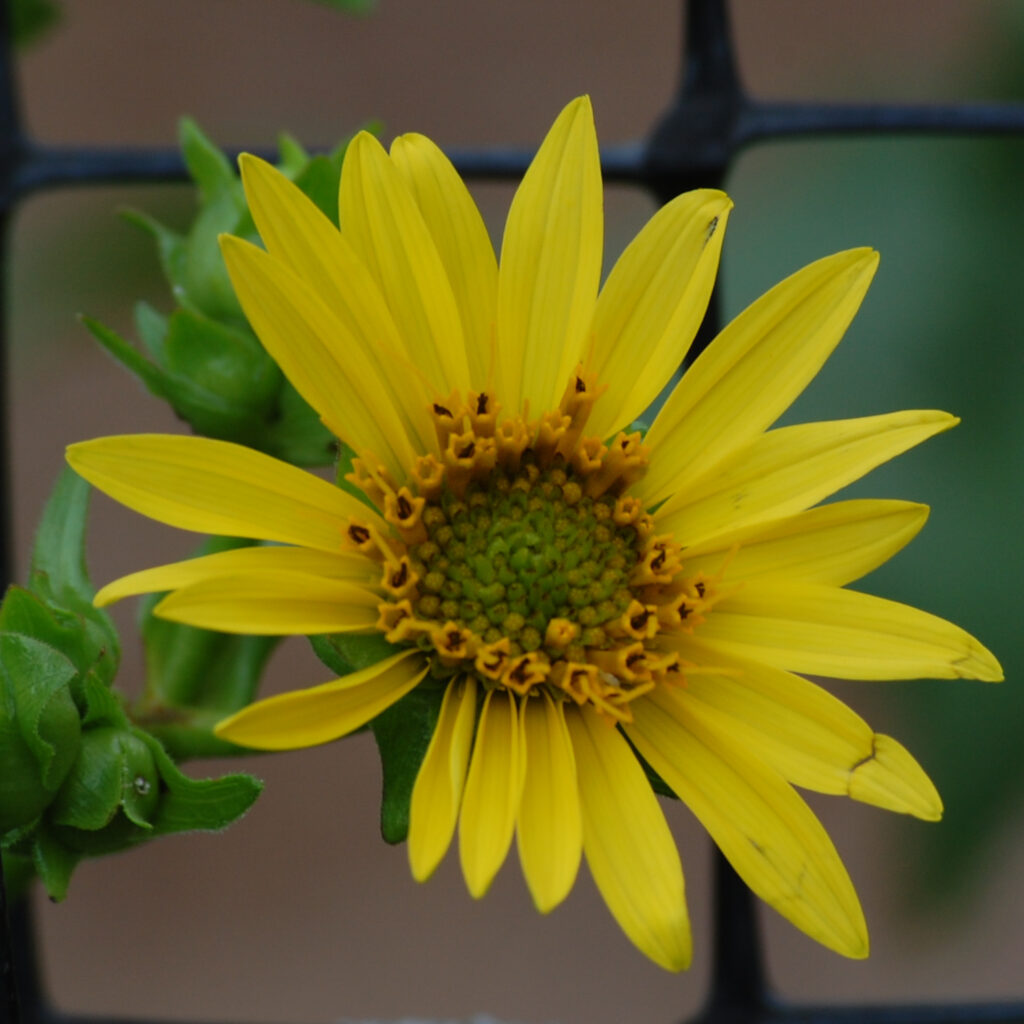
<point x="583" y="592"/>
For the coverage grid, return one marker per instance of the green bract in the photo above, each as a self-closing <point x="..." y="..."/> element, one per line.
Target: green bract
<point x="78" y="776"/>
<point x="203" y="358"/>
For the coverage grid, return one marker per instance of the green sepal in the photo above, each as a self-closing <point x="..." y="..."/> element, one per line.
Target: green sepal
<point x="125" y="789"/>
<point x="195" y="677"/>
<point x="58" y="574"/>
<point x="403" y="734"/>
<point x="345" y="653"/>
<point x="658" y="784"/>
<point x="30" y="19"/>
<point x="114" y="771"/>
<point x="75" y="636"/>
<point x="18" y="873"/>
<point x="199" y="805"/>
<point x="39" y="727"/>
<point x="207" y="165"/>
<point x="54" y="863"/>
<point x="350" y="6"/>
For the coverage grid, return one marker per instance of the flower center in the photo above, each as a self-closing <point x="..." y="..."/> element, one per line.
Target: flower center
<point x="519" y="557"/>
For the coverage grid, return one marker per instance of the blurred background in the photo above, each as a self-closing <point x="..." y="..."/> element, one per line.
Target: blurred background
<point x="300" y="912"/>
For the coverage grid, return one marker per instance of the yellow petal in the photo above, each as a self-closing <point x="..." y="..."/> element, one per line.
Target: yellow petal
<point x="789" y="469"/>
<point x="437" y="793"/>
<point x="550" y="264"/>
<point x="828" y="631"/>
<point x="385" y="227"/>
<point x="812" y="739"/>
<point x="549" y="831"/>
<point x="629" y="849"/>
<point x="652" y="304"/>
<point x="319" y="356"/>
<point x="763" y="828"/>
<point x="208" y="486"/>
<point x="893" y="779"/>
<point x="356" y="568"/>
<point x="834" y="544"/>
<point x="323" y="713"/>
<point x="297" y="233"/>
<point x="462" y="243"/>
<point x="752" y="371"/>
<point x="493" y="787"/>
<point x="273" y="604"/>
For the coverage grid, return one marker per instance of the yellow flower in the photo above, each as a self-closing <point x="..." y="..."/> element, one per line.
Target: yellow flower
<point x="581" y="591"/>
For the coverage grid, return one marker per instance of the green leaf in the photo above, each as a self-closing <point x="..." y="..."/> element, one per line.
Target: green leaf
<point x="403" y="734"/>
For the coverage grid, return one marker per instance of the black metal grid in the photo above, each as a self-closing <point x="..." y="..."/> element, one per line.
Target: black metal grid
<point x="710" y="120"/>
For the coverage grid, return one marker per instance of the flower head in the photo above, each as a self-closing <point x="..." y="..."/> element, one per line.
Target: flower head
<point x="580" y="591"/>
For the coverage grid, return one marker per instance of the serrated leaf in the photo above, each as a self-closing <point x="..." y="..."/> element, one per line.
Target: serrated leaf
<point x="403" y="734"/>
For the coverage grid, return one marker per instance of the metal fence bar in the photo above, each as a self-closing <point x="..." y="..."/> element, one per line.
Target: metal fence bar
<point x="710" y="120"/>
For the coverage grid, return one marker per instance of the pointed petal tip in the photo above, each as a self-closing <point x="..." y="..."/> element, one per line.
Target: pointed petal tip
<point x="979" y="663"/>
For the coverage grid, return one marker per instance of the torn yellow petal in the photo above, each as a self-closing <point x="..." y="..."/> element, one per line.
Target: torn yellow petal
<point x="437" y="793"/>
<point x="549" y="831"/>
<point x="652" y="304"/>
<point x="829" y="631"/>
<point x="381" y="220"/>
<point x="749" y="375"/>
<point x="298" y="234"/>
<point x="319" y="356"/>
<point x="493" y="787"/>
<point x="195" y="483"/>
<point x="355" y="568"/>
<point x="462" y="242"/>
<point x="768" y="834"/>
<point x="265" y="602"/>
<point x="810" y="737"/>
<point x="628" y="846"/>
<point x="789" y="469"/>
<point x="323" y="713"/>
<point x="550" y="264"/>
<point x="835" y="543"/>
<point x="893" y="779"/>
